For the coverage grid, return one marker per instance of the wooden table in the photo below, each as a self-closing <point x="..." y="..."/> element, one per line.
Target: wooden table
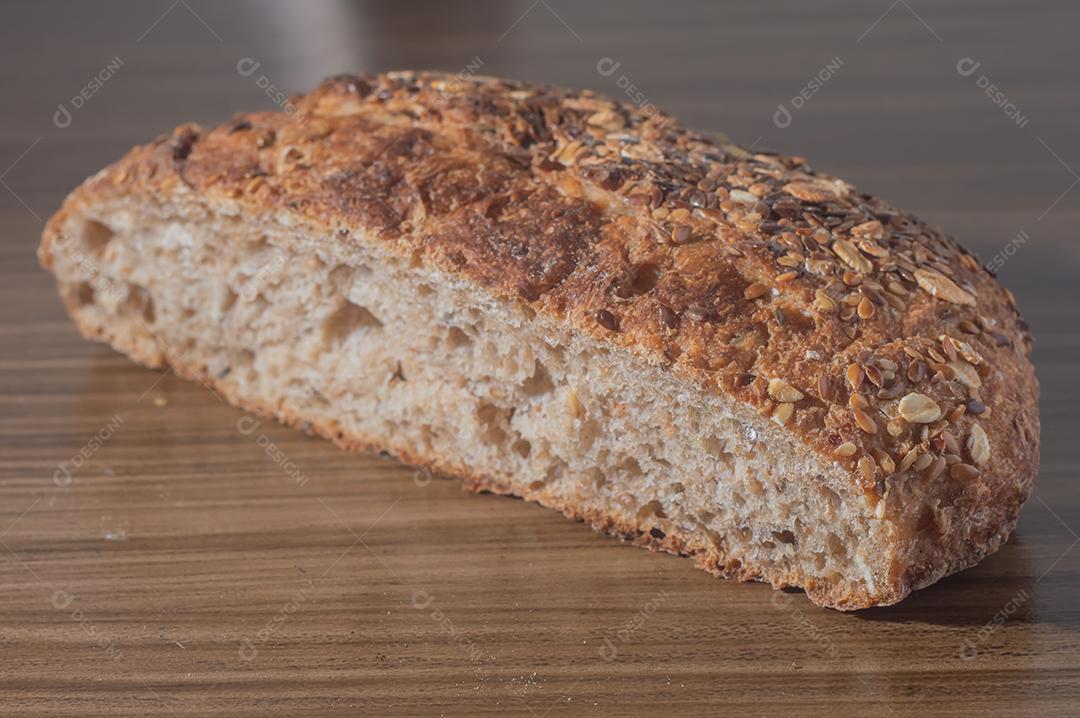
<point x="181" y="570"/>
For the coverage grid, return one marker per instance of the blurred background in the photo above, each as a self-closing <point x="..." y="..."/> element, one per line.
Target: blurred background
<point x="964" y="113"/>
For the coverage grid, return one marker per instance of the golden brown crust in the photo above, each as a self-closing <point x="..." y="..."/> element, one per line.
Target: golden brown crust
<point x="875" y="339"/>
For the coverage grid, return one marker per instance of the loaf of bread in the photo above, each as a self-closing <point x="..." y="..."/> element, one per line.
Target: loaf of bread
<point x="698" y="348"/>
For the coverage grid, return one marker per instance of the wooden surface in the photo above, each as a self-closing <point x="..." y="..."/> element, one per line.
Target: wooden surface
<point x="182" y="569"/>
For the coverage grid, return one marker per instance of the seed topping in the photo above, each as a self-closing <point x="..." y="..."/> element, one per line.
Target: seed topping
<point x="978" y="445"/>
<point x="783" y="392"/>
<point x="852" y="257"/>
<point x="846" y="449"/>
<point x="864" y="421"/>
<point x="965" y="374"/>
<point x="940" y="286"/>
<point x="919" y="409"/>
<point x="607" y="320"/>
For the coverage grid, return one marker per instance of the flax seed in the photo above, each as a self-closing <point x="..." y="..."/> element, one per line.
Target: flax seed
<point x="865" y="422"/>
<point x="607" y="320"/>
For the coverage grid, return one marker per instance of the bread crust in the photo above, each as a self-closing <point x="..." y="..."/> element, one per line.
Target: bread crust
<point x="875" y="340"/>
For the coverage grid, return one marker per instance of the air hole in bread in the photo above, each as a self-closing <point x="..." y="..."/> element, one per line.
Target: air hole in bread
<point x="492" y="421"/>
<point x="96" y="235"/>
<point x="631" y="468"/>
<point x="523" y="448"/>
<point x="346" y="321"/>
<point x="837" y="548"/>
<point x="652" y="508"/>
<point x="539" y="383"/>
<point x="257" y="246"/>
<point x="139" y="302"/>
<point x="646" y="277"/>
<point x="83" y="293"/>
<point x="457" y="339"/>
<point x="786" y="536"/>
<point x="228" y="300"/>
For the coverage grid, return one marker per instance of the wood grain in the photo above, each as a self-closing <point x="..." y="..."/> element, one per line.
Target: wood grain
<point x="185" y="569"/>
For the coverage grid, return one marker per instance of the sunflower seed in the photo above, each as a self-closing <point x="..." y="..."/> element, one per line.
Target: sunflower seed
<point x="783" y="392"/>
<point x="810" y="192"/>
<point x="940" y="286"/>
<point x="823" y="302"/>
<point x="919" y="409"/>
<point x="846" y="449"/>
<point x="963" y="472"/>
<point x="966" y="374"/>
<point x="782" y="413"/>
<point x="978" y="445"/>
<point x="852" y="257"/>
<point x="867" y="468"/>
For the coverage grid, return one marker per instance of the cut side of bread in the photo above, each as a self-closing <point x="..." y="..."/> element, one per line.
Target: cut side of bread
<point x="432" y="267"/>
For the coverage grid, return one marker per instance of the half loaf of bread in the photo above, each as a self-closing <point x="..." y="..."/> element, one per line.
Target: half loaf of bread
<point x="693" y="346"/>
